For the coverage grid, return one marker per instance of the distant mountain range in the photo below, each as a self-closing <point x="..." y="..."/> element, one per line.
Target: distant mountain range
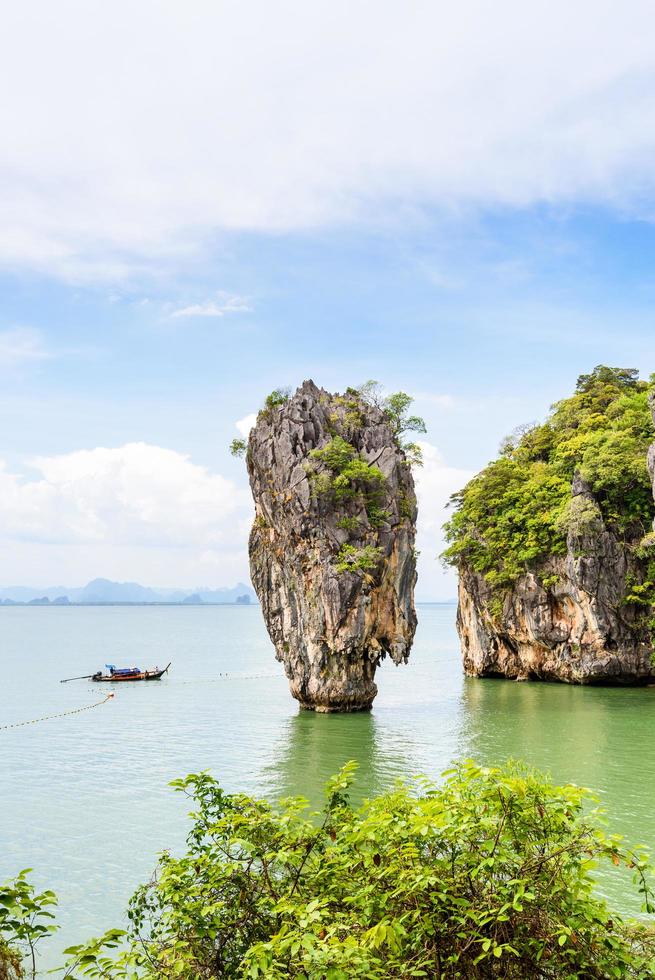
<point x="102" y="591"/>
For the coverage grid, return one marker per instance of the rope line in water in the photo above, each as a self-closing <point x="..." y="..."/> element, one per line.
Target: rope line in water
<point x="87" y="707"/>
<point x="229" y="677"/>
<point x="62" y="714"/>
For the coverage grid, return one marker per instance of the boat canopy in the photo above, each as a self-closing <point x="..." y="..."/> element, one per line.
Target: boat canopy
<point x="122" y="670"/>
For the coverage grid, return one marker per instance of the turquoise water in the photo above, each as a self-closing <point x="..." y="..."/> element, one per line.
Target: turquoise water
<point x="85" y="800"/>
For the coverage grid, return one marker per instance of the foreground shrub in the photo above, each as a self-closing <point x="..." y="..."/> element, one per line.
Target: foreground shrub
<point x="25" y="920"/>
<point x="488" y="875"/>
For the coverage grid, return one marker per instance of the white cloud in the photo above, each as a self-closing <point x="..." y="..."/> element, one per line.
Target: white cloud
<point x="224" y="304"/>
<point x="245" y="424"/>
<point x="136" y="511"/>
<point x="435" y="482"/>
<point x="147" y="513"/>
<point x="274" y="117"/>
<point x="136" y="494"/>
<point x="20" y="345"/>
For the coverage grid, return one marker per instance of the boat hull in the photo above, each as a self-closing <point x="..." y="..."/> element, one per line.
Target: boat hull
<point x="145" y="675"/>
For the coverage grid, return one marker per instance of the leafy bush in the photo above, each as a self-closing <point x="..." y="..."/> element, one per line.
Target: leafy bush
<point x="508" y="517"/>
<point x="414" y="453"/>
<point x="238" y="447"/>
<point x="517" y="511"/>
<point x="352" y="559"/>
<point x="336" y="454"/>
<point x="396" y="409"/>
<point x="358" y="474"/>
<point x="349" y="523"/>
<point x="351" y="474"/>
<point x="25" y="919"/>
<point x="352" y="402"/>
<point x="406" y="506"/>
<point x="277" y="398"/>
<point x="321" y="483"/>
<point x="377" y="516"/>
<point x="487" y="876"/>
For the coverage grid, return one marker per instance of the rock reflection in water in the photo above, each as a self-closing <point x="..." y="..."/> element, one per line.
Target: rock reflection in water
<point x="315" y="746"/>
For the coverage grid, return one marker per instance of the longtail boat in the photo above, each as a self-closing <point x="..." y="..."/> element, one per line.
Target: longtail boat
<point x="119" y="674"/>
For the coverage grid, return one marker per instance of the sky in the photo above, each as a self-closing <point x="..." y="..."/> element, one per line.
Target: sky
<point x="200" y="202"/>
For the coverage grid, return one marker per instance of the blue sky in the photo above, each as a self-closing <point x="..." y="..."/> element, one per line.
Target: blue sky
<point x="455" y="204"/>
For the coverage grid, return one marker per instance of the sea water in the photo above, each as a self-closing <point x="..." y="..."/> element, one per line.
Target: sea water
<point x="84" y="798"/>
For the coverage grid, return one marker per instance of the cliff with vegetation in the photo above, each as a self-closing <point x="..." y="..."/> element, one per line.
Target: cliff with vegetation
<point x="554" y="546"/>
<point x="332" y="546"/>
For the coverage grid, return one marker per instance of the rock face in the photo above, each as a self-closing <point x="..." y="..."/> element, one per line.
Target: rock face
<point x="651" y="452"/>
<point x="331" y="554"/>
<point x="568" y="620"/>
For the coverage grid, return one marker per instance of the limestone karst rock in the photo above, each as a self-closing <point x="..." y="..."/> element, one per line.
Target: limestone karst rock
<point x="553" y="543"/>
<point x="577" y="629"/>
<point x="332" y="545"/>
<point x="651" y="450"/>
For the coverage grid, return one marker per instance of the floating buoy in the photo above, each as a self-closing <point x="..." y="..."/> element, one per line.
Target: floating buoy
<point x="62" y="714"/>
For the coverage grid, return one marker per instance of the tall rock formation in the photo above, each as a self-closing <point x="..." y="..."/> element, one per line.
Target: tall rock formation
<point x="565" y="621"/>
<point x="332" y="546"/>
<point x="553" y="543"/>
<point x="651" y="451"/>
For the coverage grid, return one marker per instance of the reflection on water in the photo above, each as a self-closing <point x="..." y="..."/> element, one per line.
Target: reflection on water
<point x="598" y="737"/>
<point x="315" y="746"/>
<point x="557" y="726"/>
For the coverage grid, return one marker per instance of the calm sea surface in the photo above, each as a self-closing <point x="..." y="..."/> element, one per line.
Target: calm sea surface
<point x="84" y="799"/>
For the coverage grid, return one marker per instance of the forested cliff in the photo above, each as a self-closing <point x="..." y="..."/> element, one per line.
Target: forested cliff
<point x="554" y="542"/>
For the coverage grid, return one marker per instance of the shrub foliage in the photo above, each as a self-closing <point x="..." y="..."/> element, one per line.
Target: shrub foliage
<point x="518" y="510"/>
<point x="488" y="875"/>
<point x="350" y="474"/>
<point x="25" y="920"/>
<point x="352" y="559"/>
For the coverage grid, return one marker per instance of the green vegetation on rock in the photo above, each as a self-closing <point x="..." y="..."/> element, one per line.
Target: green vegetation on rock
<point x="517" y="512"/>
<point x="352" y="559"/>
<point x="341" y="475"/>
<point x="486" y="876"/>
<point x="348" y="477"/>
<point x="278" y="397"/>
<point x="345" y="475"/>
<point x="350" y="473"/>
<point x="238" y="447"/>
<point x="349" y="523"/>
<point x="396" y="409"/>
